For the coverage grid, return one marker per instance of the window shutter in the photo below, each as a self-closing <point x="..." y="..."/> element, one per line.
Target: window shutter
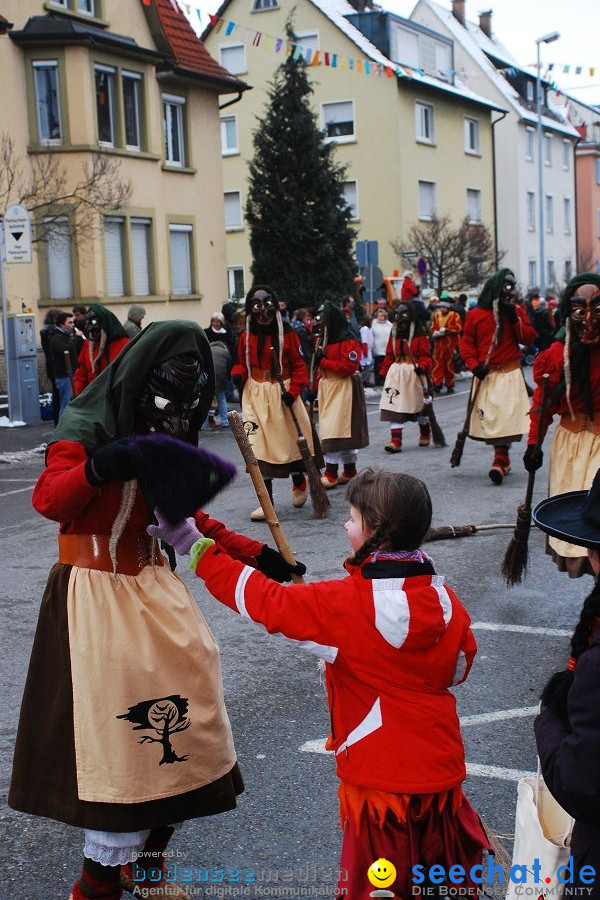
<point x="113" y="245"/>
<point x="140" y="256"/>
<point x="180" y="259"/>
<point x="60" y="273"/>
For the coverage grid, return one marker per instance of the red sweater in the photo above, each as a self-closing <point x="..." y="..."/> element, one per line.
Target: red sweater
<point x="396" y="352"/>
<point x="84" y="374"/>
<point x="342" y="358"/>
<point x="64" y="495"/>
<point x="550" y="361"/>
<point x="293" y="364"/>
<point x="478" y="332"/>
<point x="392" y="649"/>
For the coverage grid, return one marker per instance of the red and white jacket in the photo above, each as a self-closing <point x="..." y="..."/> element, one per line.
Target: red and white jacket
<point x="393" y="646"/>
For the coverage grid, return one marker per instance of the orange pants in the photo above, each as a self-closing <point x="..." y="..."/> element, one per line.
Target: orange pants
<point x="443" y="367"/>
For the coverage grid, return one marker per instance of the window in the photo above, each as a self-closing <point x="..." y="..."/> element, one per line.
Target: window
<point x="87" y="7"/>
<point x="173" y="110"/>
<point x="115" y="258"/>
<point x="548" y="149"/>
<point x="529" y="143"/>
<point x="426" y="199"/>
<point x="308" y="41"/>
<point x="233" y="58"/>
<point x="229" y="136"/>
<point x="105" y="105"/>
<point x="132" y="111"/>
<point x="235" y="281"/>
<point x="529" y="91"/>
<point x="260" y="5"/>
<point x="549" y="213"/>
<point x="62" y="3"/>
<point x="472" y="135"/>
<point x="424" y="122"/>
<point x="351" y="198"/>
<point x="140" y="257"/>
<point x="180" y="242"/>
<point x="531" y="210"/>
<point x="567" y="214"/>
<point x="474" y="205"/>
<point x="532" y="272"/>
<point x="233" y="210"/>
<point x="47" y="102"/>
<point x="566" y="155"/>
<point x="59" y="262"/>
<point x="338" y="120"/>
<point x="551" y="278"/>
<point x="568" y="270"/>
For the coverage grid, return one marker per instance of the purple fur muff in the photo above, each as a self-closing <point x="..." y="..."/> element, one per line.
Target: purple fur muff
<point x="176" y="477"/>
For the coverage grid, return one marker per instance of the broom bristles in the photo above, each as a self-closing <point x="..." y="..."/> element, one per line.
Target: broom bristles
<point x="516" y="557"/>
<point x="439" y="438"/>
<point x="318" y="497"/>
<point x="458" y="449"/>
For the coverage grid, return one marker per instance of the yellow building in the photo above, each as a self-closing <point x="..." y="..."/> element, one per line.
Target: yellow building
<point x="126" y="86"/>
<point x="415" y="141"/>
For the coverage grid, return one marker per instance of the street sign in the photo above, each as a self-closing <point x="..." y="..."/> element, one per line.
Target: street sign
<point x="410" y="254"/>
<point x="367" y="253"/>
<point x="17" y="235"/>
<point x="421" y="265"/>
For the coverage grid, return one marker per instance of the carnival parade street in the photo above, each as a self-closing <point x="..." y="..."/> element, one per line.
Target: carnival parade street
<point x="283" y="838"/>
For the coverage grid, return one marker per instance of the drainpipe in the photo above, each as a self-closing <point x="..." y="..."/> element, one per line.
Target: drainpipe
<point x="231" y="102"/>
<point x="494" y="123"/>
<point x="575" y="208"/>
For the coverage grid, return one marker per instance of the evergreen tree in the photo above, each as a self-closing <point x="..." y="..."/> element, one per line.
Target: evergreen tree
<point x="300" y="236"/>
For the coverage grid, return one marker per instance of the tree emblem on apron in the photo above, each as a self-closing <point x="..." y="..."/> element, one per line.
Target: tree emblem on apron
<point x="250" y="427"/>
<point x="392" y="394"/>
<point x="166" y="716"/>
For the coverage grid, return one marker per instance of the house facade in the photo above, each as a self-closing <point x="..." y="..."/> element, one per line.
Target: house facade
<point x="413" y="144"/>
<point x="490" y="70"/>
<point x="86" y="82"/>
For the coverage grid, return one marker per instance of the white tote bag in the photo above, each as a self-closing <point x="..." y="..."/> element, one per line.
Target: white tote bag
<point x="542" y="831"/>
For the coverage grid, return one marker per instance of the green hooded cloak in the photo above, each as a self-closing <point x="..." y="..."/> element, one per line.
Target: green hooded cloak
<point x="109" y="322"/>
<point x="337" y="326"/>
<point x="491" y="289"/>
<point x="105" y="410"/>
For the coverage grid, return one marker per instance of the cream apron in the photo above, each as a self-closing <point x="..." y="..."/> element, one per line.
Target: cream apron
<point x="148" y="710"/>
<point x="402" y="392"/>
<point x="269" y="426"/>
<point x="501" y="409"/>
<point x="574" y="460"/>
<point x="335" y="407"/>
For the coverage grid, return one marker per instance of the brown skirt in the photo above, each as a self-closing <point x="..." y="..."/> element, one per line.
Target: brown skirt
<point x="44" y="779"/>
<point x="358" y="436"/>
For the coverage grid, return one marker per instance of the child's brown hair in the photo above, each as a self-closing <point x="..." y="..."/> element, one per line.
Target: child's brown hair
<point x="394" y="505"/>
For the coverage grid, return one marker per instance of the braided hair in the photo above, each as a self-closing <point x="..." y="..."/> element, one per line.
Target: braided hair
<point x="395" y="506"/>
<point x="557" y="689"/>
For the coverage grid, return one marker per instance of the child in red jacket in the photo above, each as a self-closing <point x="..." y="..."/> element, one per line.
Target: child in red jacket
<point x="394" y="638"/>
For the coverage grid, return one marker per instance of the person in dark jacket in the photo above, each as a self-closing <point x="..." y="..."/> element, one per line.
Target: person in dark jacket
<point x="45" y="332"/>
<point x="63" y="342"/>
<point x="567" y="731"/>
<point x="133" y="323"/>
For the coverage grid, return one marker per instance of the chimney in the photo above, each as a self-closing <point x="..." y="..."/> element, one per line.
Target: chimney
<point x="485" y="22"/>
<point x="458" y="10"/>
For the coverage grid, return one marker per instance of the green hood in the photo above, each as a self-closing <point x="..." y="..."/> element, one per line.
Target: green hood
<point x="337" y="326"/>
<point x="491" y="289"/>
<point x="105" y="411"/>
<point x="574" y="283"/>
<point x="109" y="322"/>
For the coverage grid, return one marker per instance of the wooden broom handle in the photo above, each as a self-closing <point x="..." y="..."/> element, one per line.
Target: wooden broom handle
<point x="237" y="428"/>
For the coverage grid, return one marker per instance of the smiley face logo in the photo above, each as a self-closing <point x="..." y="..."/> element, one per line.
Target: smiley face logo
<point x="382" y="873"/>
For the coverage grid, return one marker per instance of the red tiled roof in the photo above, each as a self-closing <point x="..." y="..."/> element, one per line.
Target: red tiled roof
<point x="187" y="51"/>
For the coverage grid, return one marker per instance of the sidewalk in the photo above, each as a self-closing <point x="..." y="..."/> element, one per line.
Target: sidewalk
<point x="25" y="437"/>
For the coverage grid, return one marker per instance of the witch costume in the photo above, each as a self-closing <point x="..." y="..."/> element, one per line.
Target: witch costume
<point x="106" y="338"/>
<point x="123" y="726"/>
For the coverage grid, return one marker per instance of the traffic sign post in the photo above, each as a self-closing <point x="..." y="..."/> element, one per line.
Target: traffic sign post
<point x="410" y="254"/>
<point x="17" y="235"/>
<point x="15" y="248"/>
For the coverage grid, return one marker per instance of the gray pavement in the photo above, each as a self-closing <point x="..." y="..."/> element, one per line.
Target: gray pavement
<point x="285" y="827"/>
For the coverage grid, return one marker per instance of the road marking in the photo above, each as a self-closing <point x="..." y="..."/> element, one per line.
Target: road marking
<point x="18" y="490"/>
<point x="521" y="629"/>
<point x="6" y="480"/>
<point x="499" y="715"/>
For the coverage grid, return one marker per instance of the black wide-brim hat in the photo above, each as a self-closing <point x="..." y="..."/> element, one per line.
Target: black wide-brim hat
<point x="572" y="517"/>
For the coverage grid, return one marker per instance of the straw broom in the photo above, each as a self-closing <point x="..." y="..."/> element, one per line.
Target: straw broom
<point x="515" y="561"/>
<point x="461" y="437"/>
<point x="437" y="434"/>
<point x="237" y="429"/>
<point x="448" y="532"/>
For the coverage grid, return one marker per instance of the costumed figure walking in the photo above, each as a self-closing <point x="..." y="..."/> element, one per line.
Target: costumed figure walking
<point x="268" y="349"/>
<point x="123" y="728"/>
<point x="406" y="366"/>
<point x="490" y="348"/>
<point x="343" y="428"/>
<point x="106" y="337"/>
<point x="573" y="365"/>
<point x="446" y="327"/>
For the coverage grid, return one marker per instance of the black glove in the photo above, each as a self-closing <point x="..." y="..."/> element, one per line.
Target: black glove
<point x="311" y="396"/>
<point x="509" y="312"/>
<point x="238" y="381"/>
<point x="480" y="371"/>
<point x="419" y="371"/>
<point x="272" y="564"/>
<point x="288" y="398"/>
<point x="112" y="462"/>
<point x="532" y="460"/>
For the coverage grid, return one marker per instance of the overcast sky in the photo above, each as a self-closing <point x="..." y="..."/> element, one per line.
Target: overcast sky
<point x="517" y="23"/>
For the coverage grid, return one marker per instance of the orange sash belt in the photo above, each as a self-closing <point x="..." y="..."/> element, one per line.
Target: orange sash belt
<point x="90" y="551"/>
<point x="506" y="367"/>
<point x="581" y="422"/>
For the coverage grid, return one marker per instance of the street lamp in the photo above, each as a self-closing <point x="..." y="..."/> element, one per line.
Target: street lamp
<point x="546" y="39"/>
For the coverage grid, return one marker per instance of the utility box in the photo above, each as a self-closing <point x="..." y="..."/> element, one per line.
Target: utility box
<point x="21" y="362"/>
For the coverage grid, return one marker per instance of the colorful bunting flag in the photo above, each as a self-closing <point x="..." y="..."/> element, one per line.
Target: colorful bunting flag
<point x="230" y="28"/>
